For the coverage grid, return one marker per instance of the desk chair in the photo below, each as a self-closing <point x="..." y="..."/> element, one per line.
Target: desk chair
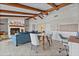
<point x="65" y="43"/>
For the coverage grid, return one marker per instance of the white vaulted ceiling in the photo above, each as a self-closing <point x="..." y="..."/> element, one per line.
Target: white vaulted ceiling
<point x="26" y="9"/>
<point x="6" y="7"/>
<point x="42" y="6"/>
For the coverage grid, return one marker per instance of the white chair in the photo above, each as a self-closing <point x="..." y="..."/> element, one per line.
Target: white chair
<point x="34" y="40"/>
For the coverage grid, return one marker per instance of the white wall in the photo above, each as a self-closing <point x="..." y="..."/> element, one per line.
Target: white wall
<point x="66" y="15"/>
<point x="73" y="49"/>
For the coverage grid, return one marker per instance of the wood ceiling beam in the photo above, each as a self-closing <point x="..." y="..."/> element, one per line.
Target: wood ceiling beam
<point x="52" y="4"/>
<point x="58" y="7"/>
<point x="34" y="18"/>
<point x="40" y="17"/>
<point x="28" y="18"/>
<point x="52" y="9"/>
<point x="13" y="16"/>
<point x="46" y="13"/>
<point x="23" y="6"/>
<point x="15" y="12"/>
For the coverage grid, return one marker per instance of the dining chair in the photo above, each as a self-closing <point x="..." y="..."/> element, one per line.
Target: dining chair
<point x="43" y="38"/>
<point x="34" y="41"/>
<point x="50" y="38"/>
<point x="65" y="43"/>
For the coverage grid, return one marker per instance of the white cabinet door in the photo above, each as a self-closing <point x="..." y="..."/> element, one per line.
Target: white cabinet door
<point x="73" y="49"/>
